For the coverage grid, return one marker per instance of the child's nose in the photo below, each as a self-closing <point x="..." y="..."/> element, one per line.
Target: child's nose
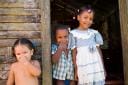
<point x="22" y="55"/>
<point x="88" y="20"/>
<point x="62" y="39"/>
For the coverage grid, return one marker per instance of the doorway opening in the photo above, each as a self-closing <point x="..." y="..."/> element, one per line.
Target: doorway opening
<point x="106" y="22"/>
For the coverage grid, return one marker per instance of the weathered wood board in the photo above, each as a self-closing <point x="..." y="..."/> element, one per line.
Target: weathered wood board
<point x="18" y="19"/>
<point x="20" y="27"/>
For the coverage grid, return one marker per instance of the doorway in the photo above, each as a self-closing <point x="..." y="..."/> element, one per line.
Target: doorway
<point x="106" y="22"/>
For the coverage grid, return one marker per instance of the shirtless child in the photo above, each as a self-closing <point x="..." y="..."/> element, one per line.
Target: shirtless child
<point x="25" y="71"/>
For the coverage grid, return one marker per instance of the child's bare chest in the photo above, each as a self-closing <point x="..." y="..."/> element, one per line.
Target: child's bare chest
<point x="21" y="72"/>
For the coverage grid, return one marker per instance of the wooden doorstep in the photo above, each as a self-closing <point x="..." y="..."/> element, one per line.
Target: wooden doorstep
<point x="114" y="82"/>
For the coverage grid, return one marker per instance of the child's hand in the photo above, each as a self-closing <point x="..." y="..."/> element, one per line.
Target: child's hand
<point x="75" y="76"/>
<point x="23" y="59"/>
<point x="63" y="46"/>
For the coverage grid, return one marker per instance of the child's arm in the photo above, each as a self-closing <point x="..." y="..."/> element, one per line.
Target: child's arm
<point x="57" y="55"/>
<point x="33" y="67"/>
<point x="102" y="59"/>
<point x="74" y="52"/>
<point x="11" y="78"/>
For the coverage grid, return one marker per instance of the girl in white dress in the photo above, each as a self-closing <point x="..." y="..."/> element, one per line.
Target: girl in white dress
<point x="85" y="43"/>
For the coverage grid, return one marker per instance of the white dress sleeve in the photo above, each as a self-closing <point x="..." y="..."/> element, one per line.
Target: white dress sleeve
<point x="72" y="41"/>
<point x="98" y="39"/>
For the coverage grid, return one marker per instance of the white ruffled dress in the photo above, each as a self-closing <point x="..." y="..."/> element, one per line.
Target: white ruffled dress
<point x="88" y="59"/>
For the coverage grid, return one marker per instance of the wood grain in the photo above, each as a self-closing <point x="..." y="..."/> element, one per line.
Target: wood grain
<point x="19" y="11"/>
<point x="20" y="19"/>
<point x="20" y="27"/>
<point x="20" y="3"/>
<point x="10" y="42"/>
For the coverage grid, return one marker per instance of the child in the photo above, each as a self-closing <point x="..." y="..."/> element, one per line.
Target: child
<point x="61" y="57"/>
<point x="85" y="42"/>
<point x="24" y="71"/>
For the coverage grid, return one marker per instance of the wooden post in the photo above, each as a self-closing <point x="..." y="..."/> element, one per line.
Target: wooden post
<point x="123" y="5"/>
<point x="46" y="42"/>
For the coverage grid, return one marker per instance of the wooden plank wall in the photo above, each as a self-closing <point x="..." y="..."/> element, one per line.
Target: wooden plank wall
<point x="18" y="18"/>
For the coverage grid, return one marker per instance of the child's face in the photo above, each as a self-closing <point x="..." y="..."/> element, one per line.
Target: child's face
<point x="23" y="51"/>
<point x="62" y="36"/>
<point x="85" y="19"/>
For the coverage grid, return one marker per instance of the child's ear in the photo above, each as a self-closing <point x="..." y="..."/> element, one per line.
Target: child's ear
<point x="32" y="51"/>
<point x="78" y="17"/>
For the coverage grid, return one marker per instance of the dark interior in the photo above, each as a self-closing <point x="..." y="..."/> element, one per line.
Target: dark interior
<point x="106" y="21"/>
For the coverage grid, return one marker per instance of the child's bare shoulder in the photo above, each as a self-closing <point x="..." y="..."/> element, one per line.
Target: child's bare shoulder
<point x="14" y="65"/>
<point x="35" y="62"/>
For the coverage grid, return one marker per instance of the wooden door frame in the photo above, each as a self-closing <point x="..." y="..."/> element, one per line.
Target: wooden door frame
<point x="123" y="11"/>
<point x="46" y="39"/>
<point x="46" y="42"/>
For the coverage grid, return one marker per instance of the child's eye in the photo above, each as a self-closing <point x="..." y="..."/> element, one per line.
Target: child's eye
<point x="91" y="19"/>
<point x="65" y="36"/>
<point x="59" y="37"/>
<point x="24" y="52"/>
<point x="18" y="54"/>
<point x="85" y="17"/>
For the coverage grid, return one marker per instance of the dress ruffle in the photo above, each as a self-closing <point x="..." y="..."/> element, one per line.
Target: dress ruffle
<point x="88" y="33"/>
